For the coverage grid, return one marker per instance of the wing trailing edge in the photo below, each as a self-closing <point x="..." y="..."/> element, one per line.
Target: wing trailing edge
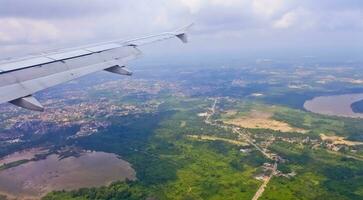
<point x="29" y="103"/>
<point x="121" y="70"/>
<point x="21" y="78"/>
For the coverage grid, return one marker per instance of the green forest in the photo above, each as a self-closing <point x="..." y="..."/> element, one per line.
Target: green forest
<point x="170" y="165"/>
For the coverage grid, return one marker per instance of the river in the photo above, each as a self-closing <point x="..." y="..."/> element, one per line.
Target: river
<point x="35" y="179"/>
<point x="337" y="105"/>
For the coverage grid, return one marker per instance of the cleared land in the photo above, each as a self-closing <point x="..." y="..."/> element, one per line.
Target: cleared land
<point x="212" y="138"/>
<point x="261" y="120"/>
<point x="339" y="140"/>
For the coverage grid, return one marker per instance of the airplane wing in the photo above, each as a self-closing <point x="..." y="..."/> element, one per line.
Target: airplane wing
<point x="21" y="78"/>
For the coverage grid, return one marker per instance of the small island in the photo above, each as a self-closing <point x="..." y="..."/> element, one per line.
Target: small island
<point x="357" y="107"/>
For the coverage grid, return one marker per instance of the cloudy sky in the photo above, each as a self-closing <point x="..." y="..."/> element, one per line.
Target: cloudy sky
<point x="235" y="28"/>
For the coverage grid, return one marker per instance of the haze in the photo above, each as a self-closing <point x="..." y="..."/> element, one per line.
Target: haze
<point x="244" y="29"/>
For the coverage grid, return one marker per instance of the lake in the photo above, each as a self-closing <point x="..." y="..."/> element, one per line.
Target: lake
<point x="337" y="105"/>
<point x="22" y="155"/>
<point x="35" y="179"/>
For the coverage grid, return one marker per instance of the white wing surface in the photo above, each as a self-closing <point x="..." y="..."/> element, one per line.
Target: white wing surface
<point x="21" y="78"/>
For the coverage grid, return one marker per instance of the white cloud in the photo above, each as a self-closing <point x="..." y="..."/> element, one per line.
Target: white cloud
<point x="299" y="17"/>
<point x="193" y="5"/>
<point x="67" y="23"/>
<point x="343" y="20"/>
<point x="229" y="3"/>
<point x="15" y="30"/>
<point x="268" y="8"/>
<point x="287" y="20"/>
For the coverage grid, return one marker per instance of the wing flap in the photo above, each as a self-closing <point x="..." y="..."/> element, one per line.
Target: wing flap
<point x="29" y="103"/>
<point x="26" y="82"/>
<point x="121" y="70"/>
<point x="26" y="88"/>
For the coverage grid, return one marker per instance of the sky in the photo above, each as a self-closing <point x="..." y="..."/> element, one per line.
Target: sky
<point x="228" y="29"/>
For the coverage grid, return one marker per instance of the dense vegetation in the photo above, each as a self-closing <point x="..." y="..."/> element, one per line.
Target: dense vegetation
<point x="57" y="137"/>
<point x="169" y="164"/>
<point x="319" y="124"/>
<point x="116" y="191"/>
<point x="320" y="175"/>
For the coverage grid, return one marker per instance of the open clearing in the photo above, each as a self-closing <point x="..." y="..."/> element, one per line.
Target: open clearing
<point x="213" y="138"/>
<point x="339" y="140"/>
<point x="262" y="120"/>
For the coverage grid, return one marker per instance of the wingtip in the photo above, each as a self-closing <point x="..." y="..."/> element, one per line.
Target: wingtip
<point x="186" y="28"/>
<point x="182" y="33"/>
<point x="183" y="37"/>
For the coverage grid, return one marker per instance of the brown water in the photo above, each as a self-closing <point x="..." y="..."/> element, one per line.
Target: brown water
<point x="338" y="105"/>
<point x="34" y="179"/>
<point x="22" y="155"/>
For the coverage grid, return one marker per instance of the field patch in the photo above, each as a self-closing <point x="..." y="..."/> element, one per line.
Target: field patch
<point x="339" y="140"/>
<point x="213" y="138"/>
<point x="262" y="120"/>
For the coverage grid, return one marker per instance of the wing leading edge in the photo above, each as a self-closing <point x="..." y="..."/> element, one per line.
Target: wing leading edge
<point x="21" y="78"/>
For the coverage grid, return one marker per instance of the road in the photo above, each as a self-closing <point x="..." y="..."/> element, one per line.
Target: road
<point x="246" y="136"/>
<point x="213" y="111"/>
<point x="265" y="183"/>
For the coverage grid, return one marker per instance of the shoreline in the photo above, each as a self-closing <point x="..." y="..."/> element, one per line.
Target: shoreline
<point x="335" y="105"/>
